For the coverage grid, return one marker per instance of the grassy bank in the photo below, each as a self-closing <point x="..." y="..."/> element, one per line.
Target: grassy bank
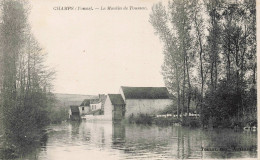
<point x="147" y="119"/>
<point x="232" y="123"/>
<point x="141" y="119"/>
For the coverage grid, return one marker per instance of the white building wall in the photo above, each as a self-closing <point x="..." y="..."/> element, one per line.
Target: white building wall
<point x="70" y="113"/>
<point x="108" y="107"/>
<point x="86" y="109"/>
<point x="146" y="106"/>
<point x="95" y="106"/>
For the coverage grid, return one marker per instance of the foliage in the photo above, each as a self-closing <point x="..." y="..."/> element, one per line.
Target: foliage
<point x="224" y="103"/>
<point x="25" y="80"/>
<point x="57" y="114"/>
<point x="190" y="122"/>
<point x="210" y="57"/>
<point x="140" y="119"/>
<point x="194" y="123"/>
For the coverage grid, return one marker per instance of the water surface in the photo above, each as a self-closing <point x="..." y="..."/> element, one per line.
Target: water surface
<point x="105" y="140"/>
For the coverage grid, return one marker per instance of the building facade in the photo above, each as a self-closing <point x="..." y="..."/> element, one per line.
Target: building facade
<point x="114" y="108"/>
<point x="84" y="108"/>
<point x="74" y="113"/>
<point x="146" y="100"/>
<point x="95" y="104"/>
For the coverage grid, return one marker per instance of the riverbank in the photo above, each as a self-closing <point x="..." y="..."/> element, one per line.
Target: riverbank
<point x="163" y="121"/>
<point x="194" y="122"/>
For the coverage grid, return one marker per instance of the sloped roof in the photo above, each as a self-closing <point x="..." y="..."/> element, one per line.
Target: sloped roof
<point x="116" y="99"/>
<point x="94" y="101"/>
<point x="74" y="108"/>
<point x="86" y="102"/>
<point x="145" y="92"/>
<point x="102" y="98"/>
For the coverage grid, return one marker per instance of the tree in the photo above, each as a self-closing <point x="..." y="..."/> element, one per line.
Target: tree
<point x="217" y="40"/>
<point x="199" y="27"/>
<point x="174" y="30"/>
<point x="26" y="81"/>
<point x="171" y="69"/>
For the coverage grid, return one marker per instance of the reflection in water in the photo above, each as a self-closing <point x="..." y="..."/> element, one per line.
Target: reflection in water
<point x="107" y="140"/>
<point x="75" y="128"/>
<point x="118" y="135"/>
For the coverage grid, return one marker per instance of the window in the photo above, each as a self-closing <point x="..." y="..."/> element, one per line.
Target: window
<point x="82" y="108"/>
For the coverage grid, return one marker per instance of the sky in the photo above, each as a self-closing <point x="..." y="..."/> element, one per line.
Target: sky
<point x="98" y="51"/>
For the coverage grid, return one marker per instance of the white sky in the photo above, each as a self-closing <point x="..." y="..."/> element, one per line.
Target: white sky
<point x="98" y="51"/>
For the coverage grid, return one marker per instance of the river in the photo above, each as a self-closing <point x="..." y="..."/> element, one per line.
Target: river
<point x="104" y="140"/>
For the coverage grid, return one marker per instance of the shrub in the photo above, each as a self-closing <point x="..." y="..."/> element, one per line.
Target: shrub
<point x="131" y="118"/>
<point x="194" y="123"/>
<point x="141" y="119"/>
<point x="144" y="119"/>
<point x="57" y="115"/>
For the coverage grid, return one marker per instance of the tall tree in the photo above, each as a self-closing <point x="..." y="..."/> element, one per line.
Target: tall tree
<point x="213" y="9"/>
<point x="12" y="35"/>
<point x="199" y="27"/>
<point x="171" y="68"/>
<point x="25" y="77"/>
<point x="174" y="28"/>
<point x="217" y="40"/>
<point x="180" y="20"/>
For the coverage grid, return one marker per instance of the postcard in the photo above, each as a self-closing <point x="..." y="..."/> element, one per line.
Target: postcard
<point x="120" y="79"/>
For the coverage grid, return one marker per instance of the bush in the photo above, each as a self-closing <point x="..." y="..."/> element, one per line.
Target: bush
<point x="58" y="115"/>
<point x="194" y="123"/>
<point x="141" y="119"/>
<point x="221" y="104"/>
<point x="131" y="118"/>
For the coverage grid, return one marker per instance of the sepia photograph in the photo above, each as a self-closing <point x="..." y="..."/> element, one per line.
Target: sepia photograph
<point x="120" y="79"/>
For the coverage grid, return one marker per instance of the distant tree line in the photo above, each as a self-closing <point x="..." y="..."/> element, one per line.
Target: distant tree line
<point x="210" y="57"/>
<point x="25" y="80"/>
